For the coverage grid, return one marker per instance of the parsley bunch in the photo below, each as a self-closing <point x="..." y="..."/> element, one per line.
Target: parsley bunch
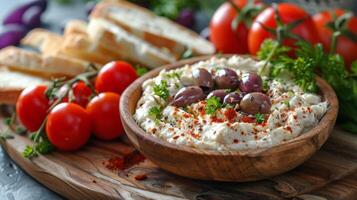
<point x="213" y="104"/>
<point x="309" y="62"/>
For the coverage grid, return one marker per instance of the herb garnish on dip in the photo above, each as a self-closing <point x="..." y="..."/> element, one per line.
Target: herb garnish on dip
<point x="223" y="104"/>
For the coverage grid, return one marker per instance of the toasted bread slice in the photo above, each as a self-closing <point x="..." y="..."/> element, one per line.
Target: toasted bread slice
<point x="47" y="42"/>
<point x="44" y="65"/>
<point x="77" y="46"/>
<point x="75" y="27"/>
<point x="82" y="47"/>
<point x="154" y="29"/>
<point x="129" y="47"/>
<point x="13" y="82"/>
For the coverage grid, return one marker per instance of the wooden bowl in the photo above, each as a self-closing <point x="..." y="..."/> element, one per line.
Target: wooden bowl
<point x="240" y="166"/>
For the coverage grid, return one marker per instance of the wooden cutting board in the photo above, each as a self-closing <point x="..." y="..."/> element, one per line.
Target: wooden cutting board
<point x="330" y="174"/>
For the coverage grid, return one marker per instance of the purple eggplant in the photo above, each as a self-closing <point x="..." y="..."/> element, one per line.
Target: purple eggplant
<point x="28" y="14"/>
<point x="90" y="6"/>
<point x="186" y="18"/>
<point x="11" y="35"/>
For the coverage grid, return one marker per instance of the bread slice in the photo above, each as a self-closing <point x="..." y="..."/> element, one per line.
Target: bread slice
<point x="75" y="27"/>
<point x="82" y="47"/>
<point x="43" y="65"/>
<point x="77" y="46"/>
<point x="47" y="42"/>
<point x="157" y="30"/>
<point x="131" y="48"/>
<point x="13" y="82"/>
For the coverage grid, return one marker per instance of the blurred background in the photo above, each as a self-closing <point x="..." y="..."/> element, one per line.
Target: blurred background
<point x="195" y="14"/>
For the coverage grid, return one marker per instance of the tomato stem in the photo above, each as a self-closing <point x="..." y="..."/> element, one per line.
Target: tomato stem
<point x="40" y="133"/>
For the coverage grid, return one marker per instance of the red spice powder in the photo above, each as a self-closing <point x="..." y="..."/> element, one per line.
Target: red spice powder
<point x="117" y="163"/>
<point x="216" y="119"/>
<point x="186" y="115"/>
<point x="230" y="114"/>
<point x="289" y="129"/>
<point x="247" y="119"/>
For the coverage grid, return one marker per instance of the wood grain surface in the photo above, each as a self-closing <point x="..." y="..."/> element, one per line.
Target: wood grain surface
<point x="329" y="174"/>
<point x="239" y="166"/>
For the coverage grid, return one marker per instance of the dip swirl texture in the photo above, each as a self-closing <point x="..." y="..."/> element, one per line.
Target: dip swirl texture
<point x="292" y="111"/>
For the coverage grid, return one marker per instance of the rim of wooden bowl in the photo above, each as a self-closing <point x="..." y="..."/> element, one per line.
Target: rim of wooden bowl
<point x="325" y="89"/>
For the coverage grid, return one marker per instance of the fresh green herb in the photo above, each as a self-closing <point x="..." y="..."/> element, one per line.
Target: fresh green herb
<point x="176" y="75"/>
<point x="43" y="147"/>
<point x="141" y="70"/>
<point x="213" y="104"/>
<point x="20" y="130"/>
<point x="29" y="152"/>
<point x="259" y="118"/>
<point x="155" y="112"/>
<point x="162" y="90"/>
<point x="302" y="69"/>
<point x="8" y="121"/>
<point x="287" y="103"/>
<point x="310" y="61"/>
<point x="265" y="85"/>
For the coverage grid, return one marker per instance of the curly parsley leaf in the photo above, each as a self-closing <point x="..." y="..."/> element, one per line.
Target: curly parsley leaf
<point x="29" y="152"/>
<point x="43" y="147"/>
<point x="155" y="112"/>
<point x="213" y="104"/>
<point x="354" y="68"/>
<point x="162" y="90"/>
<point x="141" y="70"/>
<point x="259" y="118"/>
<point x="311" y="60"/>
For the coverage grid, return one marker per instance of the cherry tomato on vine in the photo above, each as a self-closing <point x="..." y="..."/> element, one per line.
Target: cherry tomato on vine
<point x="115" y="77"/>
<point x="32" y="106"/>
<point x="345" y="46"/>
<point x="289" y="13"/>
<point x="68" y="126"/>
<point x="82" y="93"/>
<point x="104" y="112"/>
<point x="225" y="38"/>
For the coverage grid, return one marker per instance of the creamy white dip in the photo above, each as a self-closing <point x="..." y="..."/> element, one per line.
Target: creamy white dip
<point x="293" y="112"/>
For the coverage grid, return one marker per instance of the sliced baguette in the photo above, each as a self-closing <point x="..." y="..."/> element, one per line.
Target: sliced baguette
<point x="47" y="42"/>
<point x="154" y="29"/>
<point x="82" y="47"/>
<point x="75" y="27"/>
<point x="44" y="65"/>
<point x="13" y="82"/>
<point x="130" y="47"/>
<point x="76" y="46"/>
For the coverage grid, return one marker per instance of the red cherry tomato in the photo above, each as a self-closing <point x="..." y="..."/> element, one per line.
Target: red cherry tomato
<point x="115" y="77"/>
<point x="289" y="13"/>
<point x="68" y="127"/>
<point x="225" y="39"/>
<point x="345" y="46"/>
<point x="32" y="106"/>
<point x="104" y="112"/>
<point x="82" y="93"/>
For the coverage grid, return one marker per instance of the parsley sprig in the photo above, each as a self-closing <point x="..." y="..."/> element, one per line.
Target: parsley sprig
<point x="259" y="118"/>
<point x="310" y="61"/>
<point x="162" y="90"/>
<point x="155" y="112"/>
<point x="213" y="104"/>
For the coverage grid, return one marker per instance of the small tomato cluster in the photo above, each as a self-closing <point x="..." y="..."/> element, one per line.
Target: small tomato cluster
<point x="67" y="113"/>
